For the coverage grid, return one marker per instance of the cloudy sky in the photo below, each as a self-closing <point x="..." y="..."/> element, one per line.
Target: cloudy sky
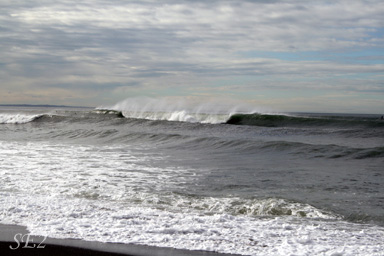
<point x="298" y="55"/>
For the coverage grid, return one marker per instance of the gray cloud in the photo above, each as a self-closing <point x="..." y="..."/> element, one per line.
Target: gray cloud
<point x="151" y="45"/>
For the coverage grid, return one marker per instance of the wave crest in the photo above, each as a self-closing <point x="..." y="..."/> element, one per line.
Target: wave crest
<point x="166" y="109"/>
<point x="18" y="118"/>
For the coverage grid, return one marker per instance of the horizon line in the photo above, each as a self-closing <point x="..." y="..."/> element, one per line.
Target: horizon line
<point x="42" y="105"/>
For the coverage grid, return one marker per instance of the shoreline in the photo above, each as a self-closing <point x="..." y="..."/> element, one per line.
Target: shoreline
<point x="16" y="240"/>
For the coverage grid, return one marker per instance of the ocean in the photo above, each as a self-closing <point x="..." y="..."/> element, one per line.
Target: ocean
<point x="232" y="182"/>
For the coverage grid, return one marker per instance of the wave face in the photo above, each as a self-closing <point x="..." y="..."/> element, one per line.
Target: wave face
<point x="304" y="121"/>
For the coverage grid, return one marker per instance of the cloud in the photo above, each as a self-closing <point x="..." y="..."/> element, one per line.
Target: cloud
<point x="253" y="25"/>
<point x="151" y="46"/>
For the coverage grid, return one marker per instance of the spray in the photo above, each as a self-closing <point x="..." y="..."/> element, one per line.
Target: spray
<point x="180" y="110"/>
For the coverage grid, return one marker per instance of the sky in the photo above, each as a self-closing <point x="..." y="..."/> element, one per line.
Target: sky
<point x="279" y="55"/>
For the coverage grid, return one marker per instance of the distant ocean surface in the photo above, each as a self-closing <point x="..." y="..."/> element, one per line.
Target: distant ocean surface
<point x="242" y="183"/>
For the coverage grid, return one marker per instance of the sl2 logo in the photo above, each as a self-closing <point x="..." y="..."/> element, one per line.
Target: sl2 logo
<point x="27" y="241"/>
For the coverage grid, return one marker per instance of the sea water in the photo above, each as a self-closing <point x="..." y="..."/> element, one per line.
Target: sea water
<point x="226" y="181"/>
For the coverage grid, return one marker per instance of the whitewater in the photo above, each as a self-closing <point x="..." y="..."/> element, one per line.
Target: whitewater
<point x="205" y="177"/>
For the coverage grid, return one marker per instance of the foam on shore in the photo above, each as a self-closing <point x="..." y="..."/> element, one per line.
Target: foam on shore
<point x="58" y="247"/>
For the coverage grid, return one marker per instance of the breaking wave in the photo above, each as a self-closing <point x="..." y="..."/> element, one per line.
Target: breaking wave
<point x="170" y="110"/>
<point x="18" y="118"/>
<point x="178" y="116"/>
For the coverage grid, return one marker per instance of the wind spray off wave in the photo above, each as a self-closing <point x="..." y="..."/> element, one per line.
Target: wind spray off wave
<point x="171" y="110"/>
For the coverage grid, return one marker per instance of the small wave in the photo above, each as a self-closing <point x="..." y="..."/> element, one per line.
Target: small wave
<point x="18" y="118"/>
<point x="370" y="153"/>
<point x="260" y="207"/>
<point x="267" y="120"/>
<point x="323" y="151"/>
<point x="235" y="206"/>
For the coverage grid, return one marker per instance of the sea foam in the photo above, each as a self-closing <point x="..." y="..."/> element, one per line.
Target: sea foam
<point x="84" y="192"/>
<point x="110" y="222"/>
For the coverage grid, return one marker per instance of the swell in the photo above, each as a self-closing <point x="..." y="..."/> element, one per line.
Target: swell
<point x="266" y="120"/>
<point x="177" y="141"/>
<point x="303" y="150"/>
<point x="256" y="119"/>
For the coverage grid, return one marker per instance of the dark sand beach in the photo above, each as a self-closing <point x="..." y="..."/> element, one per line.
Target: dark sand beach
<point x="14" y="240"/>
